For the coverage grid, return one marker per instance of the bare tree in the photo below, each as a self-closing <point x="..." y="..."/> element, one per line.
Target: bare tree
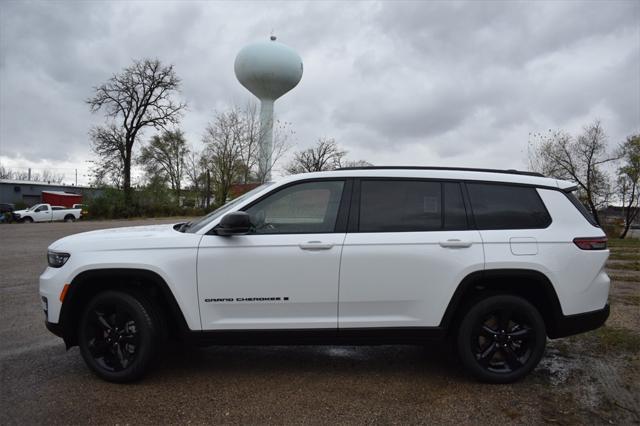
<point x="357" y="163"/>
<point x="165" y="156"/>
<point x="194" y="167"/>
<point x="628" y="183"/>
<point x="325" y="155"/>
<point x="579" y="159"/>
<point x="44" y="176"/>
<point x="223" y="152"/>
<point x="232" y="148"/>
<point x="108" y="143"/>
<point x="138" y="97"/>
<point x="249" y="134"/>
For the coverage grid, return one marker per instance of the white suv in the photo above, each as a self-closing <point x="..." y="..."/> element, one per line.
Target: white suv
<point x="495" y="260"/>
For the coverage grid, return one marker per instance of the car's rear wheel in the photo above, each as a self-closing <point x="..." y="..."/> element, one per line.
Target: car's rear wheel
<point x="69" y="218"/>
<point x="501" y="339"/>
<point x="118" y="336"/>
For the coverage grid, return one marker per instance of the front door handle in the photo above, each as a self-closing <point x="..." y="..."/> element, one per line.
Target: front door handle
<point x="455" y="243"/>
<point x="315" y="245"/>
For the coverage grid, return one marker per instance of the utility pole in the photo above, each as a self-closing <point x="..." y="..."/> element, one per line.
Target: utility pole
<point x="208" y="188"/>
<point x="29" y="178"/>
<point x="76" y="177"/>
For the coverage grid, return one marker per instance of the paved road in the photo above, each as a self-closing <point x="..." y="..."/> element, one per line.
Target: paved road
<point x="41" y="383"/>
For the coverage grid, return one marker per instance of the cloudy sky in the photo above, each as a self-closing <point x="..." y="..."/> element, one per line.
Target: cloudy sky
<point x="415" y="83"/>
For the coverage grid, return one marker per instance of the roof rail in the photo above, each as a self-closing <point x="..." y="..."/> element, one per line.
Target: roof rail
<point x="463" y="169"/>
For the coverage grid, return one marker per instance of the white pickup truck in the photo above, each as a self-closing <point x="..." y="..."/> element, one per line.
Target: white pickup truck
<point x="47" y="213"/>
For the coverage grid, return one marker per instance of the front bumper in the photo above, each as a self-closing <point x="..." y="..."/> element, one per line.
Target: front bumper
<point x="54" y="328"/>
<point x="568" y="325"/>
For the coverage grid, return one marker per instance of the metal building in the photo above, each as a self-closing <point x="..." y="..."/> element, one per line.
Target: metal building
<point x="30" y="193"/>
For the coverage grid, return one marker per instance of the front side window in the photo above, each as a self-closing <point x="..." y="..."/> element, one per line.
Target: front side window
<point x="497" y="206"/>
<point x="305" y="208"/>
<point x="42" y="209"/>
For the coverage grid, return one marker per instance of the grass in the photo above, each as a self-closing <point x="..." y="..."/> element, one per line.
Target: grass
<point x="632" y="300"/>
<point x="628" y="266"/>
<point x="627" y="242"/>
<point x="615" y="339"/>
<point x="629" y="278"/>
<point x="622" y="255"/>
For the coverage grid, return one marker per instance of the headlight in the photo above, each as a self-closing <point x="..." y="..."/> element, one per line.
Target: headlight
<point x="56" y="260"/>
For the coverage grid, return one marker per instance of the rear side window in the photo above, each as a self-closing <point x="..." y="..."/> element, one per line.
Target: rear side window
<point x="581" y="208"/>
<point x="410" y="206"/>
<point x="497" y="206"/>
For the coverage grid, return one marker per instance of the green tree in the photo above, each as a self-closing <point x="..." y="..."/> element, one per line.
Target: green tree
<point x="165" y="156"/>
<point x="628" y="183"/>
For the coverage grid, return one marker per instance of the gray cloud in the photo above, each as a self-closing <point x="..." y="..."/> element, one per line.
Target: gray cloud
<point x="459" y="83"/>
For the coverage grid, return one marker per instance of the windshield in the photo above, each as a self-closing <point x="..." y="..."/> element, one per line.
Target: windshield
<point x="198" y="224"/>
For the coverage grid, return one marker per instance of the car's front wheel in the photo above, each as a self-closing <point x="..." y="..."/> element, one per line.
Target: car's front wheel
<point x="501" y="339"/>
<point x="118" y="336"/>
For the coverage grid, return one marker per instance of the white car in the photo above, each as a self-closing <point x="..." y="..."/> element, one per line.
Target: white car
<point x="47" y="213"/>
<point x="495" y="260"/>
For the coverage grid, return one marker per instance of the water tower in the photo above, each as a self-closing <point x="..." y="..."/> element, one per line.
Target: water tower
<point x="268" y="69"/>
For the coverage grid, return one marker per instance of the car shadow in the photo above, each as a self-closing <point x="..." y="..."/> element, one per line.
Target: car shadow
<point x="430" y="359"/>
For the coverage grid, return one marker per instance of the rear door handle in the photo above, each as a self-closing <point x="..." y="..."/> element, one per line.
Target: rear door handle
<point x="455" y="243"/>
<point x="315" y="245"/>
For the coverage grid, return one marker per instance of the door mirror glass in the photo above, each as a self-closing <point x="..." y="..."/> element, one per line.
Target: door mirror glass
<point x="234" y="223"/>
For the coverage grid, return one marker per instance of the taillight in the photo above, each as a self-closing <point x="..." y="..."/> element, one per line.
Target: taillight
<point x="597" y="243"/>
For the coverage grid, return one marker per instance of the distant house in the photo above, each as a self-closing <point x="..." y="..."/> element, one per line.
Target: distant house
<point x="30" y="193"/>
<point x="616" y="215"/>
<point x="237" y="189"/>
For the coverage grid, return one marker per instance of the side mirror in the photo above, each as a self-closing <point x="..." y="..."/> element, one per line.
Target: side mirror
<point x="234" y="223"/>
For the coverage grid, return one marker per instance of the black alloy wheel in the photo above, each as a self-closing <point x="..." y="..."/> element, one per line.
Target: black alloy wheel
<point x="501" y="339"/>
<point x="118" y="336"/>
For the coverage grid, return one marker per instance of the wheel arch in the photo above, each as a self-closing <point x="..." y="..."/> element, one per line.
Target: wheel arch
<point x="132" y="280"/>
<point x="533" y="286"/>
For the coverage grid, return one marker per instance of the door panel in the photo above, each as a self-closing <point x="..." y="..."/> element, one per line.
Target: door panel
<point x="284" y="274"/>
<point x="42" y="214"/>
<point x="403" y="279"/>
<point x="408" y="253"/>
<point x="269" y="281"/>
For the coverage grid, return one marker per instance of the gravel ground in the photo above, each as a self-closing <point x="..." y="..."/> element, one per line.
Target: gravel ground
<point x="591" y="378"/>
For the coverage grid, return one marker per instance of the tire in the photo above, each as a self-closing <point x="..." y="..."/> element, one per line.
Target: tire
<point x="118" y="336"/>
<point x="501" y="339"/>
<point x="27" y="220"/>
<point x="69" y="218"/>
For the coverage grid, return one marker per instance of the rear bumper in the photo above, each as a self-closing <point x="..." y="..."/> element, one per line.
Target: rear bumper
<point x="573" y="324"/>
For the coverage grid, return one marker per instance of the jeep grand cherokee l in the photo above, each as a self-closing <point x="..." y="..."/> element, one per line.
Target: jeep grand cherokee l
<point x="496" y="261"/>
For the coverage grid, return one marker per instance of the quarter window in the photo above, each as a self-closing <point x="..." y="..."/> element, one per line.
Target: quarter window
<point x="305" y="208"/>
<point x="497" y="206"/>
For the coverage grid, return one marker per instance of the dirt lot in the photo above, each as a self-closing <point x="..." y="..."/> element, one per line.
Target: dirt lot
<point x="591" y="378"/>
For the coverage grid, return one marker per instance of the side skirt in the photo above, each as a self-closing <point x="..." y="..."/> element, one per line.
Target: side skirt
<point x="346" y="337"/>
